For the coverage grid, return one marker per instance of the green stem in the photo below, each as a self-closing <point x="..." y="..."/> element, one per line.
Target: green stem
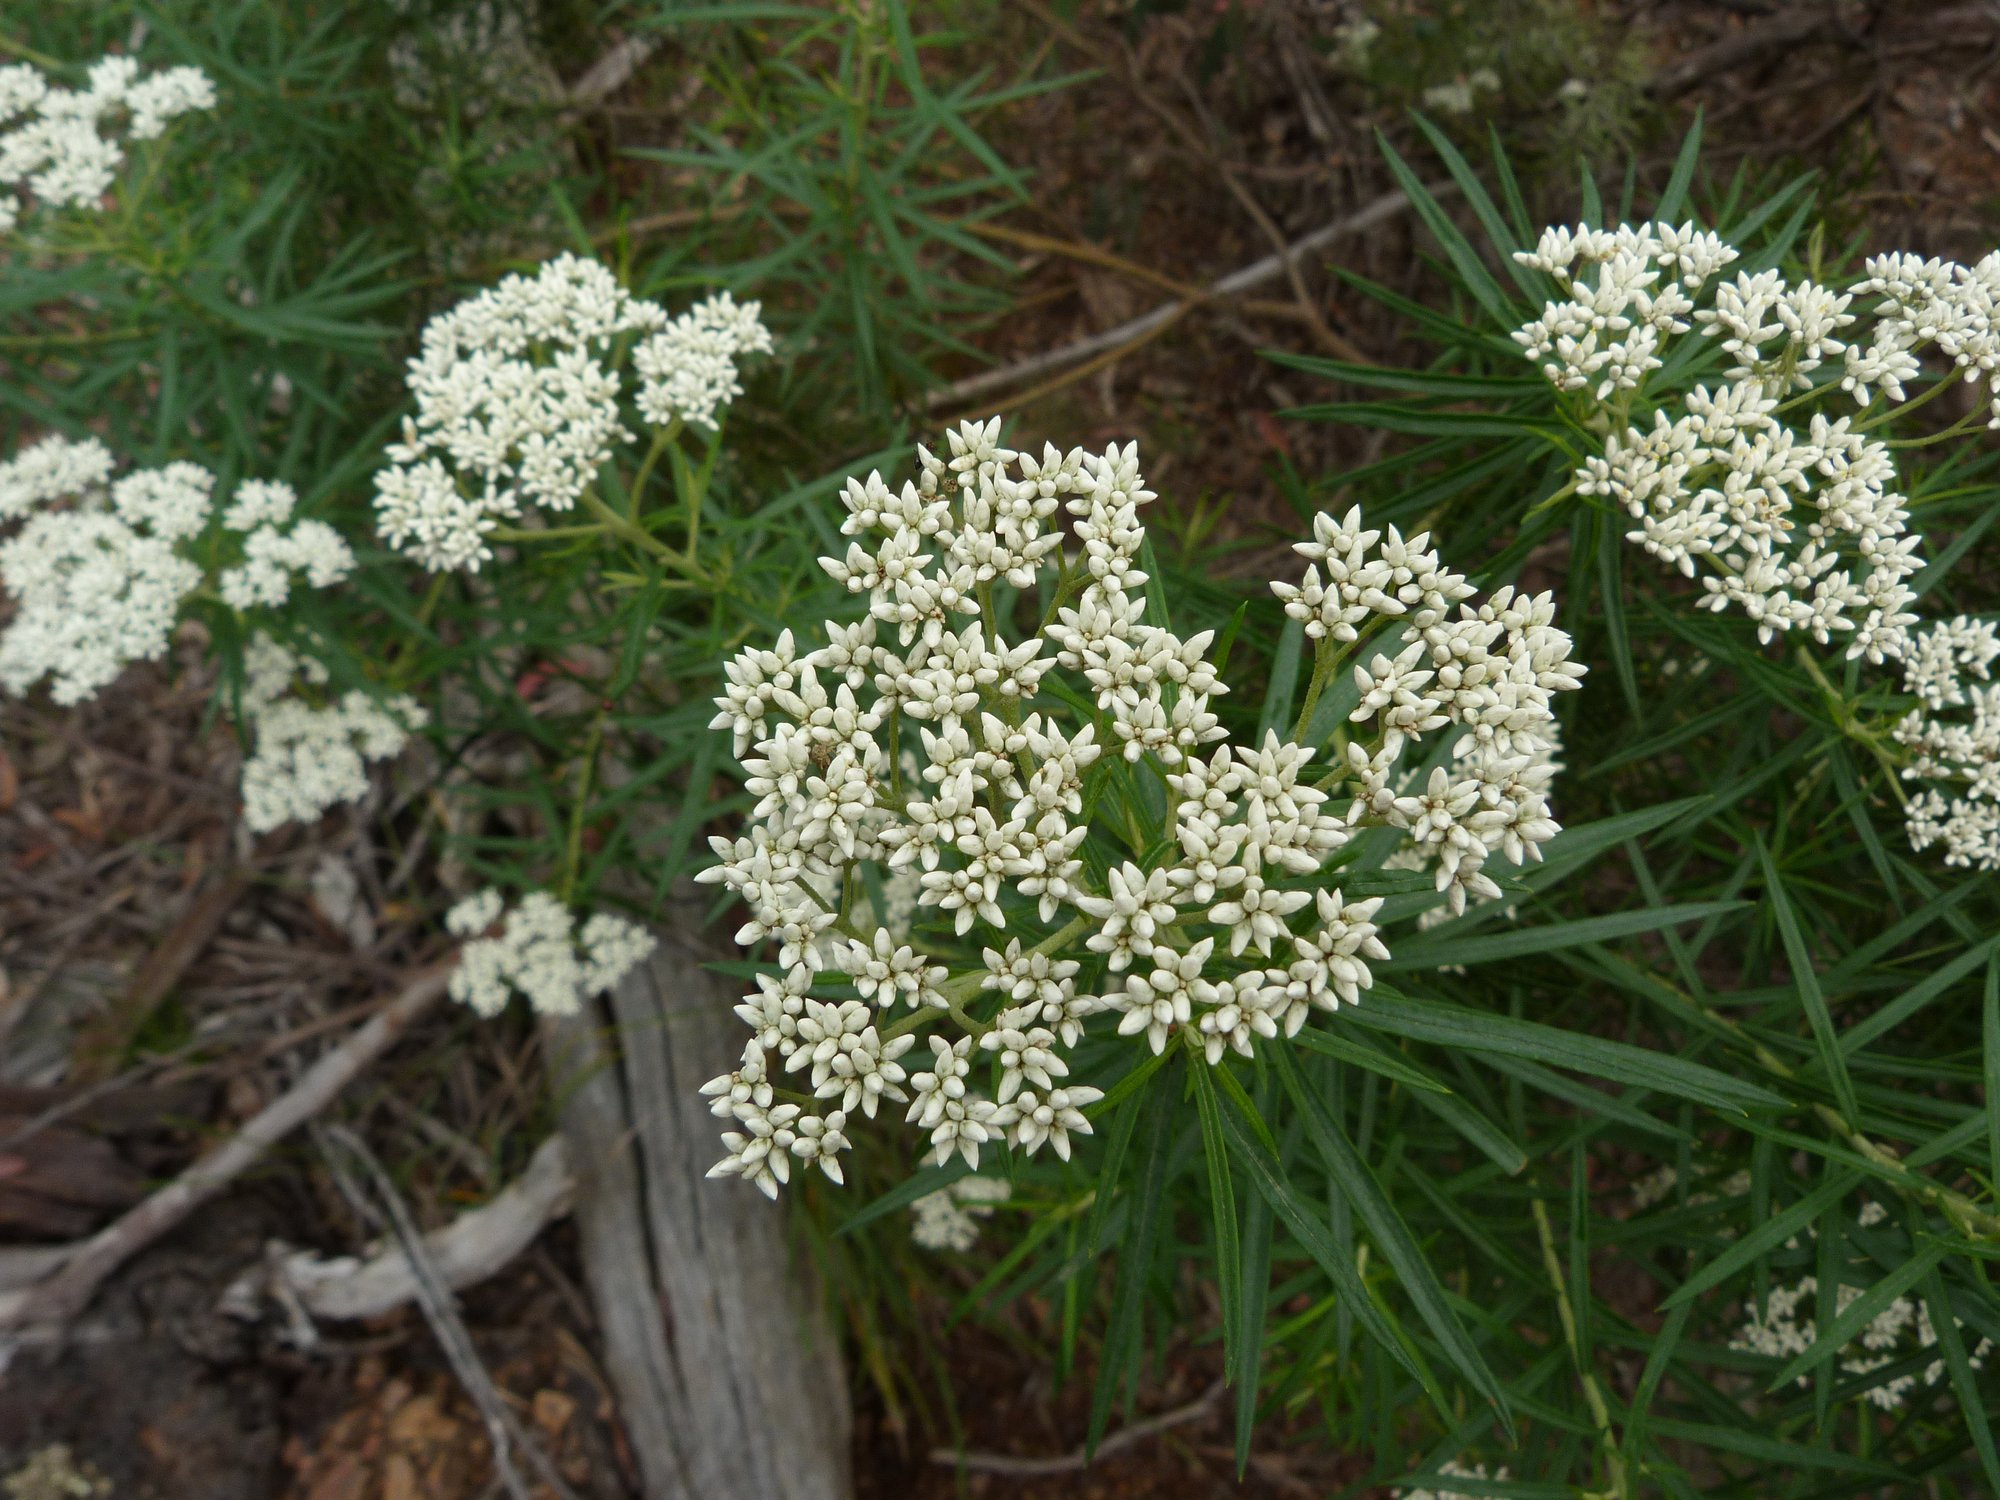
<point x="573" y="850"/>
<point x="1972" y="1221"/>
<point x="660" y="441"/>
<point x="1843" y="717"/>
<point x="1944" y="384"/>
<point x="1554" y="500"/>
<point x="956" y="992"/>
<point x="542" y="533"/>
<point x="1323" y="660"/>
<point x="1964" y="424"/>
<point x="1600" y="1414"/>
<point x="638" y="536"/>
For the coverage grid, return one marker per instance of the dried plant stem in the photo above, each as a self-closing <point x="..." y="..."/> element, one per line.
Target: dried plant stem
<point x="1120" y="66"/>
<point x="1130" y="334"/>
<point x="1068" y="1463"/>
<point x="503" y="1429"/>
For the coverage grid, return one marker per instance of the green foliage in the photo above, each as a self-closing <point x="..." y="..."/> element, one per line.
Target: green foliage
<point x="841" y="186"/>
<point x="1846" y="996"/>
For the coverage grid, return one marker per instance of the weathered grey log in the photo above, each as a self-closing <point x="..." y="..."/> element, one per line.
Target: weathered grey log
<point x="728" y="1378"/>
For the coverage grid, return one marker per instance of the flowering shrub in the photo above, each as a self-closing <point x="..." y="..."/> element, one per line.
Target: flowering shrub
<point x="1036" y="841"/>
<point x="53" y="144"/>
<point x="1795" y="444"/>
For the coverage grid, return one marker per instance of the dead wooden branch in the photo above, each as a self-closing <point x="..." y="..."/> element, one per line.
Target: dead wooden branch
<point x="1066" y="1463"/>
<point x="1147" y="325"/>
<point x="477" y="1244"/>
<point x="52" y="1303"/>
<point x="503" y="1429"/>
<point x="728" y="1379"/>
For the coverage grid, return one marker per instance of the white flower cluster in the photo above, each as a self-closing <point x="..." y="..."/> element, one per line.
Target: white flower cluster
<point x="1794" y="519"/>
<point x="518" y="401"/>
<point x="1658" y="1185"/>
<point x="305" y="757"/>
<point x="990" y="812"/>
<point x="1795" y="523"/>
<point x="98" y="575"/>
<point x="1456" y="1470"/>
<point x="272" y="553"/>
<point x="1788" y="1326"/>
<point x="52" y="140"/>
<point x="949" y="1218"/>
<point x="539" y="951"/>
<point x="1487" y="678"/>
<point x="1949" y="667"/>
<point x="687" y="371"/>
<point x="96" y="584"/>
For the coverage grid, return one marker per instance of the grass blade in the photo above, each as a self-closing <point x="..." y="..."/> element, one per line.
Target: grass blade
<point x="1806" y="978"/>
<point x="1358" y="1183"/>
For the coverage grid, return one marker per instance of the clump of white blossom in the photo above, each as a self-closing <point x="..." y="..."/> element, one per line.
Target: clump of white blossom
<point x="100" y="573"/>
<point x="97" y="582"/>
<point x="1233" y="934"/>
<point x="519" y="401"/>
<point x="949" y="1218"/>
<point x="276" y="548"/>
<point x="1658" y="1185"/>
<point x="538" y="950"/>
<point x="1787" y="1325"/>
<point x="305" y="756"/>
<point x="1954" y="740"/>
<point x="62" y="146"/>
<point x="1783" y="506"/>
<point x="1456" y="1470"/>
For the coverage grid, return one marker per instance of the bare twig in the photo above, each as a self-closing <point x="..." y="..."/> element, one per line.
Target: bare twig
<point x="1146" y="325"/>
<point x="611" y="72"/>
<point x="1066" y="1463"/>
<point x="196" y="927"/>
<point x="477" y="1244"/>
<point x="503" y="1430"/>
<point x="1121" y="66"/>
<point x="1782" y="32"/>
<point x="54" y="1302"/>
<point x="1112" y="261"/>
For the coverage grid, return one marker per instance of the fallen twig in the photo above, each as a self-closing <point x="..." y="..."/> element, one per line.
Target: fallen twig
<point x="1148" y="325"/>
<point x="475" y="1245"/>
<point x="1066" y="1463"/>
<point x="1779" y="33"/>
<point x="195" y="928"/>
<point x="52" y="1303"/>
<point x="503" y="1430"/>
<point x="1122" y="66"/>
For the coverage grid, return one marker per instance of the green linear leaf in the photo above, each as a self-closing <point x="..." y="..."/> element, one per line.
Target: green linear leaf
<point x="1305" y="1220"/>
<point x="1222" y="1212"/>
<point x="1767" y="1236"/>
<point x="1366" y="1055"/>
<point x="1356" y="1180"/>
<point x="1971" y="1405"/>
<point x="1860" y="1313"/>
<point x="1806" y="979"/>
<point x="1135" y="1265"/>
<point x="1424" y="952"/>
<point x="1451" y="1025"/>
<point x="1917" y="996"/>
